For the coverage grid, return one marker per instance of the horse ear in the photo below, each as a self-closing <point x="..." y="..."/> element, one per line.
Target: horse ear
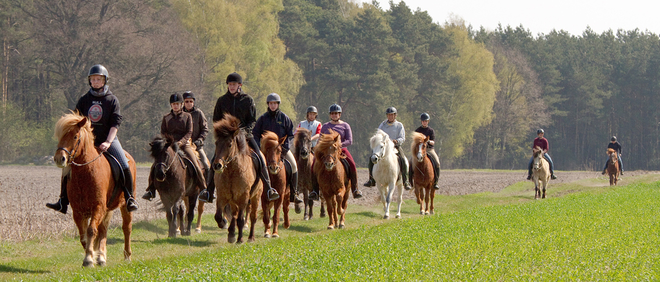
<point x="236" y="133"/>
<point x="282" y="140"/>
<point x="82" y="122"/>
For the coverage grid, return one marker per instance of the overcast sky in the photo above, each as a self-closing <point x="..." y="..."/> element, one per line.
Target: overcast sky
<point x="543" y="16"/>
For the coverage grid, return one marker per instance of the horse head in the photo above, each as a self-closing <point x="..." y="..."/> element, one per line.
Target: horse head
<point x="271" y="147"/>
<point x="614" y="157"/>
<point x="419" y="146"/>
<point x="328" y="149"/>
<point x="229" y="142"/>
<point x="538" y="157"/>
<point x="163" y="150"/>
<point x="380" y="146"/>
<point x="302" y="143"/>
<point x="74" y="135"/>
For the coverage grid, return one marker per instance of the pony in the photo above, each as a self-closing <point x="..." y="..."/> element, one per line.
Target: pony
<point x="423" y="176"/>
<point x="90" y="188"/>
<point x="386" y="171"/>
<point x="271" y="147"/>
<point x="331" y="177"/>
<point x="238" y="186"/>
<point x="176" y="183"/>
<point x="540" y="172"/>
<point x="302" y="152"/>
<point x="613" y="166"/>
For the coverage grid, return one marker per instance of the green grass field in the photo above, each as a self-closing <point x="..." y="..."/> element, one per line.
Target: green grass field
<point x="584" y="231"/>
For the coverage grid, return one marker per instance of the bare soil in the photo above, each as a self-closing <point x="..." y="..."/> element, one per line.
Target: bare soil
<point x="26" y="189"/>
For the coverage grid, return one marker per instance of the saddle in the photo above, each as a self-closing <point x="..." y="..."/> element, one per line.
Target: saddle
<point x="347" y="168"/>
<point x="117" y="176"/>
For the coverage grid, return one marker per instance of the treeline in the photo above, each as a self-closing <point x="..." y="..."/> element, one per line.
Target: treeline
<point x="486" y="91"/>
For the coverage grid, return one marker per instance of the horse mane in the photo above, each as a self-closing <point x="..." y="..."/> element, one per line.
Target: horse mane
<point x="610" y="151"/>
<point x="378" y="137"/>
<point x="269" y="137"/>
<point x="160" y="144"/>
<point x="69" y="122"/>
<point x="326" y="141"/>
<point x="537" y="150"/>
<point x="227" y="127"/>
<point x="301" y="134"/>
<point x="416" y="139"/>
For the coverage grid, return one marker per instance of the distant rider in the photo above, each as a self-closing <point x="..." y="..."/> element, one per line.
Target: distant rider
<point x="545" y="146"/>
<point x="616" y="146"/>
<point x="430" y="133"/>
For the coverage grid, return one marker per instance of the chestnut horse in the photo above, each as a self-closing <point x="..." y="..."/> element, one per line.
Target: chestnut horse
<point x="423" y="176"/>
<point x="238" y="186"/>
<point x="331" y="177"/>
<point x="176" y="183"/>
<point x="90" y="186"/>
<point x="540" y="172"/>
<point x="613" y="166"/>
<point x="302" y="152"/>
<point x="386" y="171"/>
<point x="271" y="147"/>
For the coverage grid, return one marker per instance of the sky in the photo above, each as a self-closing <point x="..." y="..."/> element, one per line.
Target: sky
<point x="544" y="16"/>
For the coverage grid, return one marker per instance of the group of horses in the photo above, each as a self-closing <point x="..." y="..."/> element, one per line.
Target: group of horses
<point x="93" y="196"/>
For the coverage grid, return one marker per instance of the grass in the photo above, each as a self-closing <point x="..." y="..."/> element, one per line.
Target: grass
<point x="584" y="231"/>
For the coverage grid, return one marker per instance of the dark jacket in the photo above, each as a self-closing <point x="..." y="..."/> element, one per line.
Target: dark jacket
<point x="104" y="113"/>
<point x="242" y="107"/>
<point x="616" y="146"/>
<point x="428" y="132"/>
<point x="277" y="122"/>
<point x="179" y="126"/>
<point x="200" y="127"/>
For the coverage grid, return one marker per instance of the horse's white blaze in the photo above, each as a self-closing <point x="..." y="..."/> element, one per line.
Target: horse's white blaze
<point x="386" y="171"/>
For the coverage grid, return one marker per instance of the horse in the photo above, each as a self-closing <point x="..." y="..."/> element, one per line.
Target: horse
<point x="90" y="188"/>
<point x="540" y="172"/>
<point x="176" y="183"/>
<point x="423" y="176"/>
<point x="271" y="147"/>
<point x="331" y="177"/>
<point x="613" y="166"/>
<point x="302" y="152"/>
<point x="238" y="186"/>
<point x="386" y="171"/>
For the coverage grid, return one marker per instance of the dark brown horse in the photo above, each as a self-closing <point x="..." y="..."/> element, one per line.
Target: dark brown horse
<point x="302" y="152"/>
<point x="330" y="175"/>
<point x="271" y="147"/>
<point x="423" y="176"/>
<point x="176" y="183"/>
<point x="90" y="187"/>
<point x="238" y="186"/>
<point x="613" y="166"/>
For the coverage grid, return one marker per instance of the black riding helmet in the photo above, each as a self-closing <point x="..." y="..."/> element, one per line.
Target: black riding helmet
<point x="312" y="109"/>
<point x="234" y="77"/>
<point x="98" y="70"/>
<point x="188" y="95"/>
<point x="334" y="108"/>
<point x="273" y="97"/>
<point x="424" y="117"/>
<point x="613" y="138"/>
<point x="176" y="98"/>
<point x="390" y="110"/>
<point x="539" y="131"/>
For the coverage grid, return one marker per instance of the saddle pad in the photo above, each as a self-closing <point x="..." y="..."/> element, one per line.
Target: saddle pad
<point x="117" y="176"/>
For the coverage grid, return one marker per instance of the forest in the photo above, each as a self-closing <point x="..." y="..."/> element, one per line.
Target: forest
<point x="487" y="91"/>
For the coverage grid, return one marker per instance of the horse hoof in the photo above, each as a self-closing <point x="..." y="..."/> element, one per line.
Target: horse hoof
<point x="306" y="218"/>
<point x="398" y="216"/>
<point x="275" y="236"/>
<point x="432" y="212"/>
<point x="198" y="230"/>
<point x="231" y="240"/>
<point x="386" y="216"/>
<point x="297" y="208"/>
<point x="341" y="226"/>
<point x="88" y="263"/>
<point x="331" y="227"/>
<point x="421" y="212"/>
<point x="266" y="235"/>
<point x="322" y="215"/>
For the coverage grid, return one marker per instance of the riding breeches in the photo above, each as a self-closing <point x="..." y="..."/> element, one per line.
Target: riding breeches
<point x="117" y="151"/>
<point x="203" y="159"/>
<point x="289" y="157"/>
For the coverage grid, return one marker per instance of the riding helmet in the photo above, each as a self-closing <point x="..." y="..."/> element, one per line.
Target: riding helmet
<point x="98" y="70"/>
<point x="176" y="98"/>
<point x="273" y="97"/>
<point x="613" y="138"/>
<point x="188" y="95"/>
<point x="390" y="110"/>
<point x="425" y="116"/>
<point x="234" y="77"/>
<point x="312" y="109"/>
<point x="539" y="131"/>
<point x="334" y="108"/>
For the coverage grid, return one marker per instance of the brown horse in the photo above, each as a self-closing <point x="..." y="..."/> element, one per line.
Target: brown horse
<point x="540" y="172"/>
<point x="271" y="147"/>
<point x="423" y="176"/>
<point x="330" y="176"/>
<point x="613" y="166"/>
<point x="238" y="186"/>
<point x="176" y="183"/>
<point x="90" y="187"/>
<point x="302" y="152"/>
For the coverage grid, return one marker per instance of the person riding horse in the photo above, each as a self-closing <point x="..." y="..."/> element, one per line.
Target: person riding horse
<point x="311" y="124"/>
<point x="430" y="133"/>
<point x="240" y="105"/>
<point x="279" y="123"/>
<point x="616" y="146"/>
<point x="179" y="125"/>
<point x="344" y="130"/>
<point x="545" y="146"/>
<point x="397" y="134"/>
<point x="103" y="110"/>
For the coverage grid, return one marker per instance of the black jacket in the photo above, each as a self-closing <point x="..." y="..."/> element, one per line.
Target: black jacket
<point x="104" y="113"/>
<point x="277" y="122"/>
<point x="241" y="106"/>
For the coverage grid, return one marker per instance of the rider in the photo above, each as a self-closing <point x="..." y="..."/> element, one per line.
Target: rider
<point x="395" y="130"/>
<point x="279" y="123"/>
<point x="103" y="110"/>
<point x="344" y="130"/>
<point x="544" y="145"/>
<point x="236" y="103"/>
<point x="179" y="125"/>
<point x="617" y="147"/>
<point x="311" y="124"/>
<point x="430" y="133"/>
<point x="200" y="127"/>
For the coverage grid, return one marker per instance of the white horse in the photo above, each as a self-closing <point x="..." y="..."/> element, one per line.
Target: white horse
<point x="386" y="171"/>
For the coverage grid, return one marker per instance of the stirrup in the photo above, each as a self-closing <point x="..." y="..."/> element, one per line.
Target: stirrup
<point x="57" y="206"/>
<point x="273" y="195"/>
<point x="132" y="205"/>
<point x="436" y="186"/>
<point x="149" y="195"/>
<point x="357" y="194"/>
<point x="296" y="199"/>
<point x="529" y="177"/>
<point x="407" y="186"/>
<point x="553" y="176"/>
<point x="205" y="196"/>
<point x="370" y="183"/>
<point x="313" y="196"/>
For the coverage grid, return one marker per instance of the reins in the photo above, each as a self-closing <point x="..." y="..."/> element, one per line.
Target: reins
<point x="72" y="154"/>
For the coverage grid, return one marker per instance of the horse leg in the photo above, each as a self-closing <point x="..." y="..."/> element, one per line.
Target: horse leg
<point x="388" y="200"/>
<point x="432" y="192"/>
<point x="545" y="184"/>
<point x="240" y="220"/>
<point x="427" y="198"/>
<point x="219" y="214"/>
<point x="285" y="210"/>
<point x="339" y="211"/>
<point x="231" y="237"/>
<point x="254" y="205"/>
<point x="277" y="208"/>
<point x="190" y="215"/>
<point x="101" y="240"/>
<point x="265" y="210"/>
<point x="127" y="228"/>
<point x="171" y="229"/>
<point x="399" y="198"/>
<point x="323" y="207"/>
<point x="81" y="223"/>
<point x="344" y="205"/>
<point x="92" y="232"/>
<point x="200" y="211"/>
<point x="331" y="212"/>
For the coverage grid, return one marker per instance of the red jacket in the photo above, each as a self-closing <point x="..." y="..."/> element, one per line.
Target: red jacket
<point x="541" y="143"/>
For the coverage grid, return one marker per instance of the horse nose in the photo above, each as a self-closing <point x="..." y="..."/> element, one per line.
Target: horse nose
<point x="217" y="166"/>
<point x="374" y="159"/>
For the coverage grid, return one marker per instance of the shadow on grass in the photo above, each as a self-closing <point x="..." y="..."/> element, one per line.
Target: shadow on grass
<point x="372" y="214"/>
<point x="303" y="229"/>
<point x="10" y="269"/>
<point x="149" y="226"/>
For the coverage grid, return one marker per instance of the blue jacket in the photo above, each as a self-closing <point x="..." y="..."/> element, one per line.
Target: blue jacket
<point x="277" y="122"/>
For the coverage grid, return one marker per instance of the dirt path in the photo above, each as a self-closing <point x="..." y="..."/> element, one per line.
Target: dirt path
<point x="26" y="190"/>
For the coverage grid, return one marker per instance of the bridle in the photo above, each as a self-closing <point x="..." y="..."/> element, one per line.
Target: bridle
<point x="71" y="154"/>
<point x="167" y="168"/>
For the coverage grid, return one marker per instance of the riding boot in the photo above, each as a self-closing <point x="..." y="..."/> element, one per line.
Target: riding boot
<point x="356" y="192"/>
<point x="411" y="176"/>
<point x="404" y="174"/>
<point x="151" y="189"/>
<point x="263" y="173"/>
<point x="207" y="195"/>
<point x="529" y="170"/>
<point x="293" y="195"/>
<point x="131" y="203"/>
<point x="371" y="182"/>
<point x="63" y="201"/>
<point x="436" y="173"/>
<point x="314" y="195"/>
<point x="620" y="166"/>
